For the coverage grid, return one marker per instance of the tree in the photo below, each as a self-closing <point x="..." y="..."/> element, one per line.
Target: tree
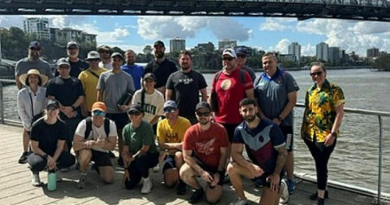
<point x="147" y="50"/>
<point x="382" y="62"/>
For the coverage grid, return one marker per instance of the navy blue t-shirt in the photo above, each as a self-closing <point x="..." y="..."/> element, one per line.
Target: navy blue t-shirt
<point x="136" y="71"/>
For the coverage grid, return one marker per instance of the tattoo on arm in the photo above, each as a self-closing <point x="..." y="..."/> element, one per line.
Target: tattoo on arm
<point x="281" y="160"/>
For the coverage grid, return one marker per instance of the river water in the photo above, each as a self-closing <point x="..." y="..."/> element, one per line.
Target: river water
<point x="355" y="159"/>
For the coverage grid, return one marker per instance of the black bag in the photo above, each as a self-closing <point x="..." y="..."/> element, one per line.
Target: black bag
<point x="214" y="101"/>
<point x="126" y="98"/>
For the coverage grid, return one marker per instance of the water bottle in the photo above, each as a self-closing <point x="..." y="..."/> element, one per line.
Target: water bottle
<point x="51" y="180"/>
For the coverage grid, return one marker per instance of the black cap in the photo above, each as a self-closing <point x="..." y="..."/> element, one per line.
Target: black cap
<point x="150" y="76"/>
<point x="203" y="105"/>
<point x="159" y="43"/>
<point x="35" y="44"/>
<point x="117" y="54"/>
<point x="71" y="43"/>
<point x="52" y="103"/>
<point x="135" y="107"/>
<point x="241" y="51"/>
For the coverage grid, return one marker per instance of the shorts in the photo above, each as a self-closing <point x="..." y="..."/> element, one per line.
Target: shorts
<point x="101" y="159"/>
<point x="264" y="181"/>
<point x="169" y="162"/>
<point x="120" y="119"/>
<point x="211" y="171"/>
<point x="288" y="137"/>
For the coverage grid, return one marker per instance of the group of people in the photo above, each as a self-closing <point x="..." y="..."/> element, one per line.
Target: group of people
<point x="107" y="100"/>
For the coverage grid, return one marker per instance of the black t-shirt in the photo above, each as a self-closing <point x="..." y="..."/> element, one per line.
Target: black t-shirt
<point x="66" y="91"/>
<point x="76" y="68"/>
<point x="185" y="90"/>
<point x="48" y="135"/>
<point x="161" y="70"/>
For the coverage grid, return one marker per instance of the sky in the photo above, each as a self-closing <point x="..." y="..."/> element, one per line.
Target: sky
<point x="269" y="34"/>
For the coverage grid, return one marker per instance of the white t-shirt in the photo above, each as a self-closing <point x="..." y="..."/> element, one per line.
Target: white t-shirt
<point x="96" y="132"/>
<point x="153" y="104"/>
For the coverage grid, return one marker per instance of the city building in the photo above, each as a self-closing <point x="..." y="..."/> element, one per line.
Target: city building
<point x="226" y="44"/>
<point x="334" y="55"/>
<point x="38" y="27"/>
<point x="177" y="45"/>
<point x="373" y="52"/>
<point x="205" y="47"/>
<point x="63" y="36"/>
<point x="295" y="50"/>
<point x="322" y="51"/>
<point x="286" y="57"/>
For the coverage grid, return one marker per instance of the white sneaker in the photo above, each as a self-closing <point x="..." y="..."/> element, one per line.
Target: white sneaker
<point x="284" y="195"/>
<point x="147" y="186"/>
<point x="156" y="168"/>
<point x="35" y="180"/>
<point x="239" y="202"/>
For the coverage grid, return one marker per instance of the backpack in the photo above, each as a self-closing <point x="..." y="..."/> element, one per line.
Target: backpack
<point x="88" y="129"/>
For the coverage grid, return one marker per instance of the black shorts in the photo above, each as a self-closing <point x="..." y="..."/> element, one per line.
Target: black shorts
<point x="120" y="119"/>
<point x="169" y="162"/>
<point x="288" y="133"/>
<point x="101" y="159"/>
<point x="211" y="171"/>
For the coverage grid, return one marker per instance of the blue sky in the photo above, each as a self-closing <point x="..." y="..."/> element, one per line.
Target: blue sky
<point x="269" y="34"/>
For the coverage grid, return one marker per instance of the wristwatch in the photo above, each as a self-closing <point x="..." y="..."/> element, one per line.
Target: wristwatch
<point x="45" y="156"/>
<point x="334" y="134"/>
<point x="280" y="118"/>
<point x="73" y="107"/>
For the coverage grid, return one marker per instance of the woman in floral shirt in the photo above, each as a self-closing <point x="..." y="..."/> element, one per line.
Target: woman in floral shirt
<point x="324" y="105"/>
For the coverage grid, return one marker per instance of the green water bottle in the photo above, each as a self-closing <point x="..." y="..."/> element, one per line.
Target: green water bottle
<point x="51" y="180"/>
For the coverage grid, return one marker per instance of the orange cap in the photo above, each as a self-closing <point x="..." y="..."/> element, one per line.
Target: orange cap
<point x="99" y="106"/>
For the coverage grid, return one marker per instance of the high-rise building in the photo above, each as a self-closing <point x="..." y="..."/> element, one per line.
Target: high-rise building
<point x="63" y="36"/>
<point x="322" y="51"/>
<point x="334" y="55"/>
<point x="38" y="27"/>
<point x="372" y="52"/>
<point x="177" y="45"/>
<point x="295" y="50"/>
<point x="205" y="47"/>
<point x="226" y="44"/>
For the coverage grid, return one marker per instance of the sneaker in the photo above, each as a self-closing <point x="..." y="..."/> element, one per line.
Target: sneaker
<point x="284" y="195"/>
<point x="23" y="158"/>
<point x="147" y="186"/>
<point x="291" y="185"/>
<point x="82" y="183"/>
<point x="320" y="202"/>
<point x="181" y="188"/>
<point x="35" y="180"/>
<point x="239" y="202"/>
<point x="315" y="195"/>
<point x="112" y="155"/>
<point x="259" y="183"/>
<point x="156" y="168"/>
<point x="196" y="196"/>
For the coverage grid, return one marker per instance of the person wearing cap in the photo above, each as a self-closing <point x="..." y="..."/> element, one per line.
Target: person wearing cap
<point x="32" y="61"/>
<point x="96" y="146"/>
<point x="139" y="151"/>
<point x="170" y="135"/>
<point x="241" y="61"/>
<point x="205" y="151"/>
<point x="112" y="86"/>
<point x="184" y="87"/>
<point x="136" y="71"/>
<point x="69" y="92"/>
<point x="76" y="64"/>
<point x="89" y="79"/>
<point x="150" y="99"/>
<point x="105" y="55"/>
<point x="161" y="67"/>
<point x="48" y="136"/>
<point x="31" y="102"/>
<point x="266" y="148"/>
<point x="276" y="91"/>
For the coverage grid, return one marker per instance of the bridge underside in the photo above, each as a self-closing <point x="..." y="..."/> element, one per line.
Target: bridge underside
<point x="278" y="8"/>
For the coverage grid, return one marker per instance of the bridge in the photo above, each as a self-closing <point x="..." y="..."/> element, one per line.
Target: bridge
<point x="369" y="10"/>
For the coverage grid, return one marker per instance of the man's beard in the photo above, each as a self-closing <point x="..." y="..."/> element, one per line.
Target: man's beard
<point x="250" y="118"/>
<point x="159" y="54"/>
<point x="185" y="67"/>
<point x="204" y="122"/>
<point x="34" y="56"/>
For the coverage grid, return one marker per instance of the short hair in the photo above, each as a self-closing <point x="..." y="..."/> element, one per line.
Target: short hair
<point x="128" y="51"/>
<point x="185" y="52"/>
<point x="321" y="65"/>
<point x="270" y="54"/>
<point x="247" y="101"/>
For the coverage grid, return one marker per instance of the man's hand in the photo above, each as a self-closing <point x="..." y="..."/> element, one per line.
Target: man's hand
<point x="206" y="176"/>
<point x="125" y="107"/>
<point x="277" y="121"/>
<point x="68" y="111"/>
<point x="274" y="180"/>
<point x="51" y="163"/>
<point x="126" y="176"/>
<point x="329" y="140"/>
<point x="216" y="177"/>
<point x="89" y="144"/>
<point x="127" y="158"/>
<point x="100" y="142"/>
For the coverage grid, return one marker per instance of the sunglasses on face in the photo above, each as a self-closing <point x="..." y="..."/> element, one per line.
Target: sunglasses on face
<point x="227" y="58"/>
<point x="241" y="56"/>
<point x="169" y="110"/>
<point x="319" y="73"/>
<point x="203" y="114"/>
<point x="134" y="113"/>
<point x="64" y="67"/>
<point x="35" y="49"/>
<point x="72" y="48"/>
<point x="98" y="113"/>
<point x="50" y="109"/>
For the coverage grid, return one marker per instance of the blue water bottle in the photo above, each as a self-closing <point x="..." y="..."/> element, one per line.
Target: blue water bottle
<point x="51" y="180"/>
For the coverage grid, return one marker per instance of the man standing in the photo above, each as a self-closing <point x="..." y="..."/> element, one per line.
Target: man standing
<point x="105" y="55"/>
<point x="205" y="152"/>
<point x="170" y="135"/>
<point x="241" y="61"/>
<point x="161" y="67"/>
<point x="32" y="61"/>
<point x="136" y="71"/>
<point x="94" y="137"/>
<point x="183" y="86"/>
<point x="112" y="86"/>
<point x="264" y="143"/>
<point x="68" y="91"/>
<point x="76" y="65"/>
<point x="277" y="94"/>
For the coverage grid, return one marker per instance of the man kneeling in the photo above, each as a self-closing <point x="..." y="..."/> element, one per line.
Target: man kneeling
<point x="94" y="137"/>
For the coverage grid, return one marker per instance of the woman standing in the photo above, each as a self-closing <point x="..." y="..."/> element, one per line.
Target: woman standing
<point x="324" y="111"/>
<point x="31" y="102"/>
<point x="48" y="136"/>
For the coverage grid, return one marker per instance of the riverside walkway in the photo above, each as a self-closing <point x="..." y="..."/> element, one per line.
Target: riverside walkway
<point x="15" y="187"/>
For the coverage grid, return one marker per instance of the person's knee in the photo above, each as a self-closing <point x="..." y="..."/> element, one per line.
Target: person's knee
<point x="231" y="168"/>
<point x="171" y="177"/>
<point x="179" y="156"/>
<point x="109" y="179"/>
<point x="213" y="198"/>
<point x="107" y="174"/>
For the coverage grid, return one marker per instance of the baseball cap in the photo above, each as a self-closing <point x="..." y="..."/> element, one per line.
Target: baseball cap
<point x="62" y="61"/>
<point x="203" y="105"/>
<point x="99" y="106"/>
<point x="71" y="43"/>
<point x="229" y="52"/>
<point x="170" y="104"/>
<point x="104" y="48"/>
<point x="159" y="43"/>
<point x="135" y="108"/>
<point x="241" y="51"/>
<point x="35" y="44"/>
<point x="52" y="103"/>
<point x="93" y="55"/>
<point x="117" y="54"/>
<point x="150" y="76"/>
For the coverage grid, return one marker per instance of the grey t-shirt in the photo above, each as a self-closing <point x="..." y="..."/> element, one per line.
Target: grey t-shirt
<point x="273" y="94"/>
<point x="24" y="65"/>
<point x="114" y="87"/>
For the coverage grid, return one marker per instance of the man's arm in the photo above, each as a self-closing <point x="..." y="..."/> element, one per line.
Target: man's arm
<point x="292" y="99"/>
<point x="110" y="145"/>
<point x="236" y="152"/>
<point x="100" y="95"/>
<point x="203" y="92"/>
<point x="168" y="94"/>
<point x="187" y="155"/>
<point x="280" y="162"/>
<point x="18" y="83"/>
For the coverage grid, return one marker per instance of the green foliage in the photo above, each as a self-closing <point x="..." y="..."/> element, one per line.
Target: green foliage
<point x="382" y="62"/>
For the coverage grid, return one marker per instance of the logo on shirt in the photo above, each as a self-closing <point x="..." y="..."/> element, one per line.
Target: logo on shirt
<point x="226" y="84"/>
<point x="206" y="148"/>
<point x="186" y="81"/>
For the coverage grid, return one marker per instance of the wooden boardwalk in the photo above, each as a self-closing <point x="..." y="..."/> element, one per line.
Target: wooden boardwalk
<point x="15" y="187"/>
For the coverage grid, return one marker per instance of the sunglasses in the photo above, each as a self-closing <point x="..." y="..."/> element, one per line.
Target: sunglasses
<point x="134" y="113"/>
<point x="64" y="67"/>
<point x="316" y="73"/>
<point x="51" y="108"/>
<point x="93" y="60"/>
<point x="203" y="114"/>
<point x="72" y="48"/>
<point x="241" y="56"/>
<point x="169" y="110"/>
<point x="35" y="49"/>
<point x="227" y="58"/>
<point x="98" y="113"/>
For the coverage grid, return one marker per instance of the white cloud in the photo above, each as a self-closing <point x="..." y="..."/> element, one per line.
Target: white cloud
<point x="281" y="47"/>
<point x="276" y="24"/>
<point x="104" y="37"/>
<point x="308" y="50"/>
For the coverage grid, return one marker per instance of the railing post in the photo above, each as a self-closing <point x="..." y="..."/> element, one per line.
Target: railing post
<point x="1" y="103"/>
<point x="380" y="160"/>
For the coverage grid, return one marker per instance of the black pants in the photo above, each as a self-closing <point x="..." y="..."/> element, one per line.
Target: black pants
<point x="321" y="155"/>
<point x="71" y="126"/>
<point x="38" y="163"/>
<point x="139" y="168"/>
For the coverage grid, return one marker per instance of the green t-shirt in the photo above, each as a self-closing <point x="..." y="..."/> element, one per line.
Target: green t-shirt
<point x="136" y="138"/>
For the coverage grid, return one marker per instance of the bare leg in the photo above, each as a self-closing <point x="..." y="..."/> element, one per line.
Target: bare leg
<point x="188" y="175"/>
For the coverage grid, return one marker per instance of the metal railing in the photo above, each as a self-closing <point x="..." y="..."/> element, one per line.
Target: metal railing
<point x="379" y="114"/>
